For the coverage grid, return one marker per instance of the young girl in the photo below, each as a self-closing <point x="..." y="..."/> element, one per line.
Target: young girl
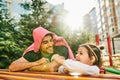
<point x="88" y="61"/>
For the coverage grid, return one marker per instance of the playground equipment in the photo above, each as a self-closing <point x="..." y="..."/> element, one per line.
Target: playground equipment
<point x="108" y="45"/>
<point x="107" y="69"/>
<point x="112" y="70"/>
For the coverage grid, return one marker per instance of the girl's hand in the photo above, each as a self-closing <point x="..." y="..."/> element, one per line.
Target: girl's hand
<point x="59" y="59"/>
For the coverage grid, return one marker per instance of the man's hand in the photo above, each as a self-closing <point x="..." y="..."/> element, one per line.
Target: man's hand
<point x="41" y="61"/>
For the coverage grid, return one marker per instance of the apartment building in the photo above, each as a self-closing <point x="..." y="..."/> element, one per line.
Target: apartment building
<point x="108" y="18"/>
<point x="117" y="11"/>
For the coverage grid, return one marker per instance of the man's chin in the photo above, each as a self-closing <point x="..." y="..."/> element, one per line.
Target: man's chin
<point x="50" y="52"/>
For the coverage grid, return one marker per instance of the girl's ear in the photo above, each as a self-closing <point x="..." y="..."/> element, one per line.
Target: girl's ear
<point x="92" y="60"/>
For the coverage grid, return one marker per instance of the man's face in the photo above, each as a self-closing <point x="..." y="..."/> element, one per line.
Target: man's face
<point x="47" y="45"/>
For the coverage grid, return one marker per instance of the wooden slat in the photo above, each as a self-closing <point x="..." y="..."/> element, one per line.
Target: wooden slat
<point x="48" y="75"/>
<point x="45" y="76"/>
<point x="12" y="77"/>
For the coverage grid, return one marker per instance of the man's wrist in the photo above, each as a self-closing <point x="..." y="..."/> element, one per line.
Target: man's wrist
<point x="35" y="63"/>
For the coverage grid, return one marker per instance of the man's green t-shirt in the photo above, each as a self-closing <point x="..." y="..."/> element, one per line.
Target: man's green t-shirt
<point x="32" y="56"/>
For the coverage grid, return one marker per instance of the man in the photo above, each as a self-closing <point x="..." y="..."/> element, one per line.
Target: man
<point x="37" y="57"/>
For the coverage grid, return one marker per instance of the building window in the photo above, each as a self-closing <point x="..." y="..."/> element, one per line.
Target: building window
<point x="100" y="31"/>
<point x="103" y="26"/>
<point x="103" y="37"/>
<point x="110" y="1"/>
<point x="106" y="33"/>
<point x="99" y="24"/>
<point x="118" y="11"/>
<point x="119" y="25"/>
<point x="107" y="3"/>
<point x="110" y="10"/>
<point x="111" y="20"/>
<point x="116" y="2"/>
<point x="112" y="29"/>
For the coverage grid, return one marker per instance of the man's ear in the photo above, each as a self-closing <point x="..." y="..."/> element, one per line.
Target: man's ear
<point x="92" y="60"/>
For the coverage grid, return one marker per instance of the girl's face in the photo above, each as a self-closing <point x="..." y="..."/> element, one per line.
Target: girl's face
<point x="82" y="56"/>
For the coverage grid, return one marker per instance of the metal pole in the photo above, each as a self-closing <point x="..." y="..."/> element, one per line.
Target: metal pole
<point x="113" y="45"/>
<point x="97" y="39"/>
<point x="109" y="50"/>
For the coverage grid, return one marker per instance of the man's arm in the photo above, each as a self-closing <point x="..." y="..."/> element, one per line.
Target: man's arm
<point x="23" y="64"/>
<point x="48" y="67"/>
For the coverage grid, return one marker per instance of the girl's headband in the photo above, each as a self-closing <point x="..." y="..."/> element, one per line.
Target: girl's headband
<point x="92" y="50"/>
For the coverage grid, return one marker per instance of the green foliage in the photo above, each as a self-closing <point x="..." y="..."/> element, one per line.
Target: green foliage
<point x="75" y="40"/>
<point x="9" y="49"/>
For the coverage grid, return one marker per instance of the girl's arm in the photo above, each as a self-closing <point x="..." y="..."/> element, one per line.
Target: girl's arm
<point x="76" y="66"/>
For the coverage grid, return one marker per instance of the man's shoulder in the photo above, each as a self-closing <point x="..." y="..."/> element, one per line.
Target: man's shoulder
<point x="60" y="47"/>
<point x="61" y="50"/>
<point x="30" y="53"/>
<point x="32" y="56"/>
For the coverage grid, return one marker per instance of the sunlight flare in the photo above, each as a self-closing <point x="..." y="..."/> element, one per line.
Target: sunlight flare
<point x="73" y="21"/>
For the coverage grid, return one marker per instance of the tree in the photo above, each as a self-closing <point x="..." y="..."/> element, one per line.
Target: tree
<point x="9" y="49"/>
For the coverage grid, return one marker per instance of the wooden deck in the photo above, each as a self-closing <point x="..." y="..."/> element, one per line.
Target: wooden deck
<point x="6" y="75"/>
